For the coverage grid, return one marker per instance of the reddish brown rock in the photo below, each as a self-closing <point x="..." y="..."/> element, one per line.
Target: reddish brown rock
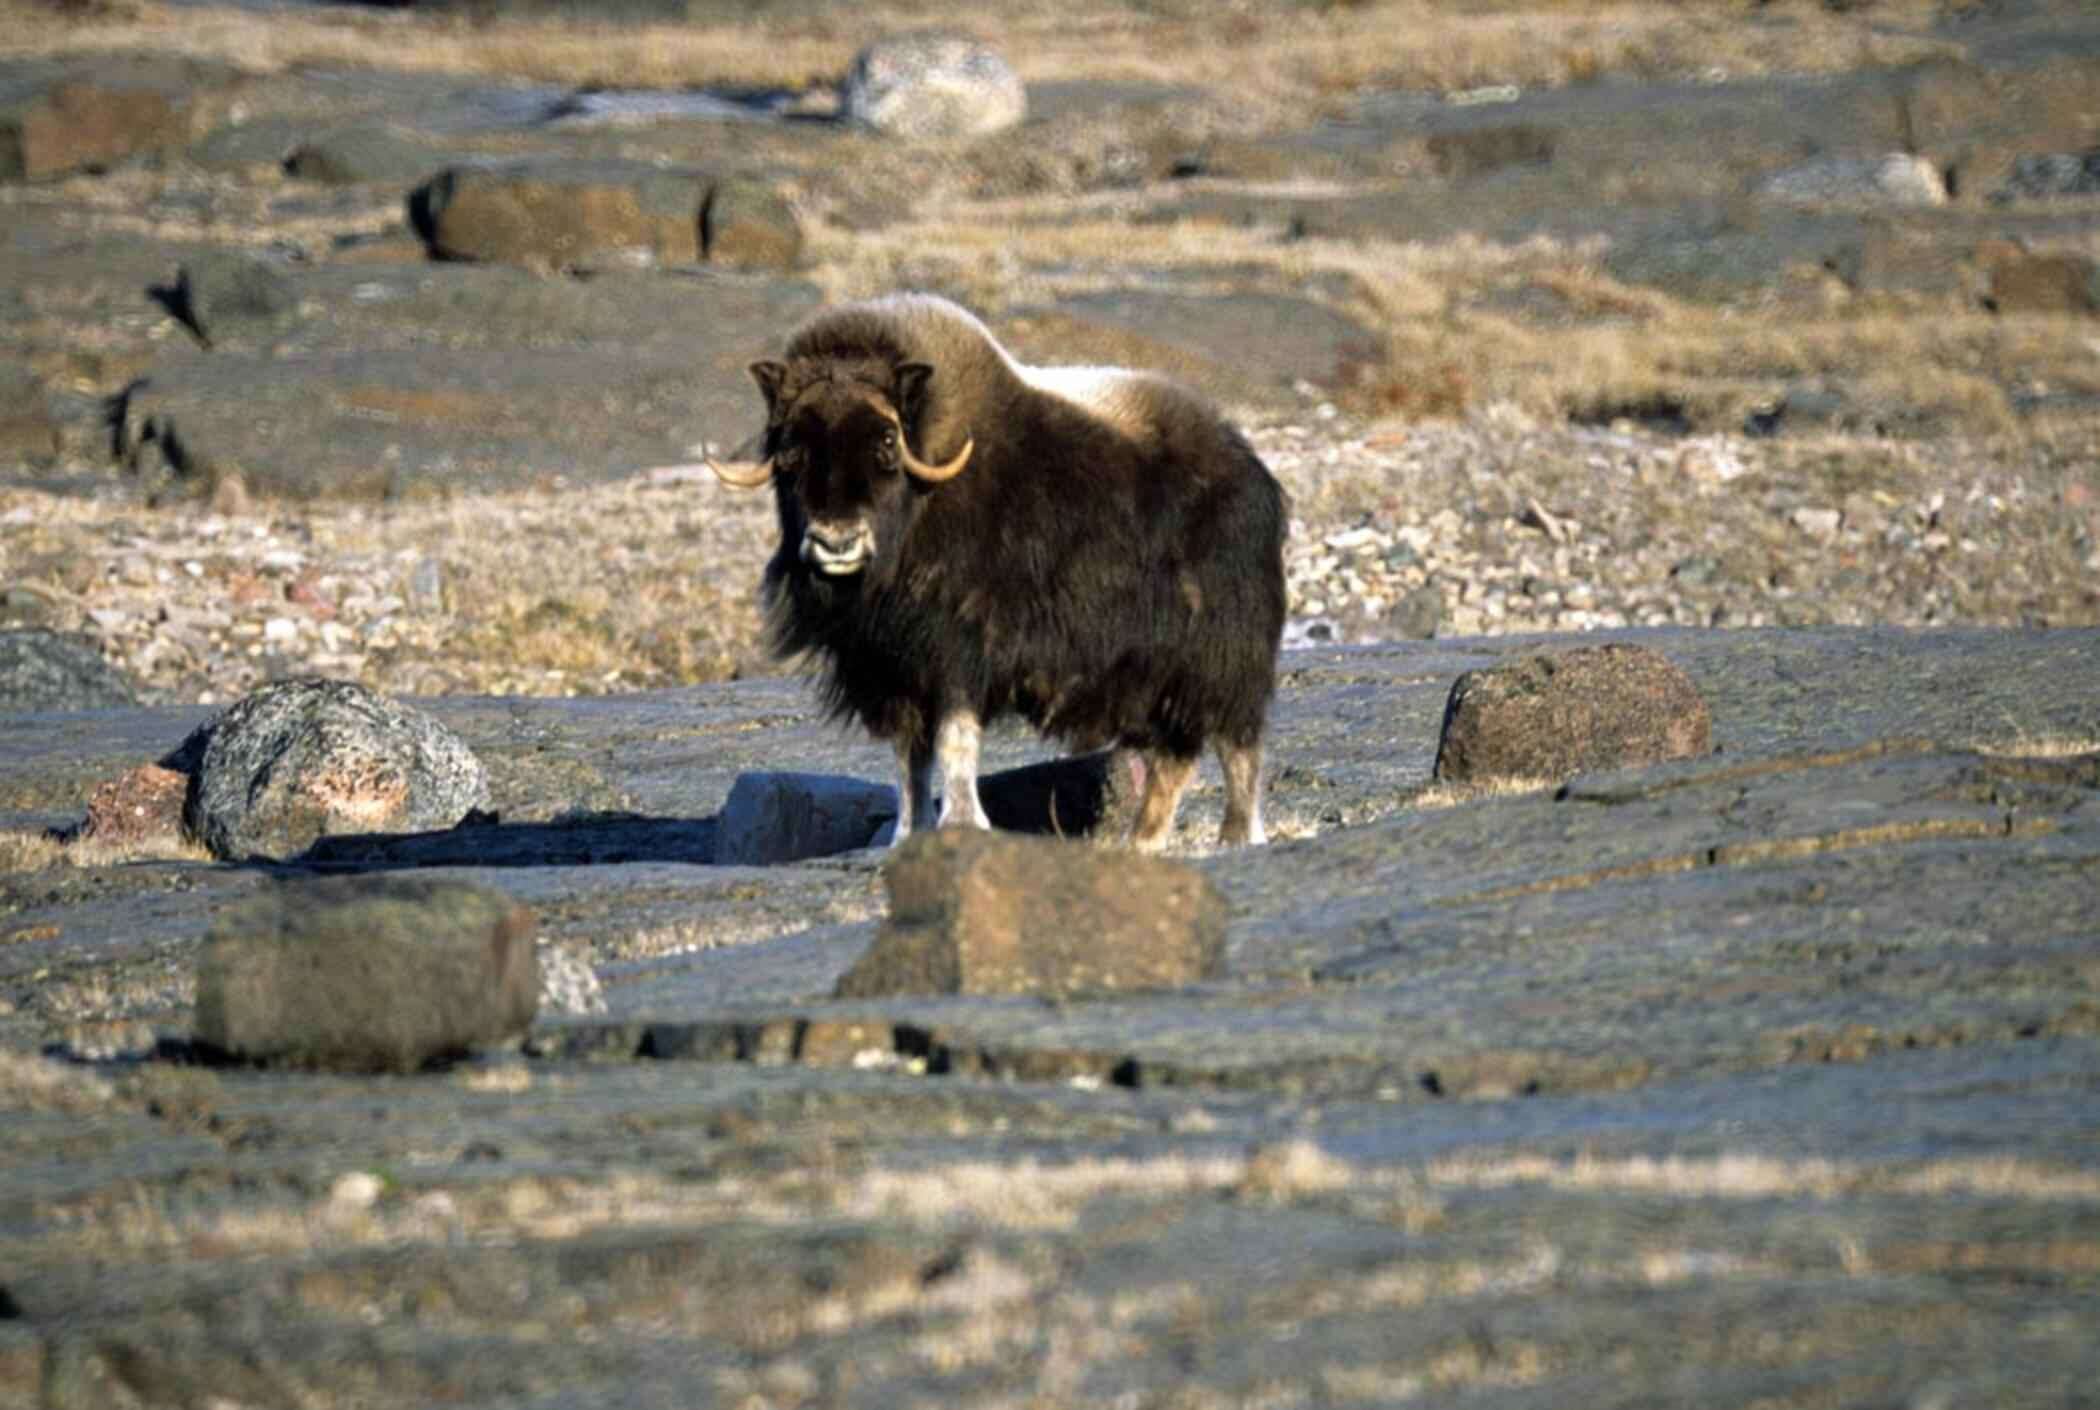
<point x="88" y="118"/>
<point x="557" y="215"/>
<point x="2021" y="281"/>
<point x="1556" y="714"/>
<point x="992" y="913"/>
<point x="747" y="224"/>
<point x="143" y="805"/>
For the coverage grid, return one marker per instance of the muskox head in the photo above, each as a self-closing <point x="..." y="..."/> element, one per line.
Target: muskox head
<point x="839" y="457"/>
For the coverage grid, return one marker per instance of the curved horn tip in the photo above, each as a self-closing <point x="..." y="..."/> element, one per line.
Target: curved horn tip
<point x="740" y="474"/>
<point x="934" y="474"/>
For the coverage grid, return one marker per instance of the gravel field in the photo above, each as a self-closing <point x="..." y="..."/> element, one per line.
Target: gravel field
<point x="1495" y="524"/>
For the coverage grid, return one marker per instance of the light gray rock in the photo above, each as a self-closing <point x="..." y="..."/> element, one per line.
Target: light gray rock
<point x="219" y="293"/>
<point x="306" y="758"/>
<point x="568" y="984"/>
<point x="1897" y="179"/>
<point x="771" y="818"/>
<point x="932" y="86"/>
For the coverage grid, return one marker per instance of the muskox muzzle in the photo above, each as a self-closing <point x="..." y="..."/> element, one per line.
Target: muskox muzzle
<point x="838" y="549"/>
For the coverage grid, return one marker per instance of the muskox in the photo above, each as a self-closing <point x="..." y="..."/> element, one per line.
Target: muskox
<point x="964" y="538"/>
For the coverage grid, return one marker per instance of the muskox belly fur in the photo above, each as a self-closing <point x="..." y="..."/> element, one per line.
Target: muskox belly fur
<point x="965" y="538"/>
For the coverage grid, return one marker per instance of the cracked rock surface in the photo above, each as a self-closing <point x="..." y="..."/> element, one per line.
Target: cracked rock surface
<point x="1770" y="1073"/>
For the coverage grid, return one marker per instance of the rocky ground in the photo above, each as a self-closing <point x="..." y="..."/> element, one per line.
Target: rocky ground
<point x="1767" y="1076"/>
<point x="380" y="342"/>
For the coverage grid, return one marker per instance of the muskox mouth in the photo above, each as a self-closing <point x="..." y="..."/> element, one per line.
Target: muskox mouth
<point x="838" y="554"/>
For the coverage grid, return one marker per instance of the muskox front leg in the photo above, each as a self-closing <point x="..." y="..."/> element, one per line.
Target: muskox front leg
<point x="956" y="742"/>
<point x="1166" y="778"/>
<point x="914" y="784"/>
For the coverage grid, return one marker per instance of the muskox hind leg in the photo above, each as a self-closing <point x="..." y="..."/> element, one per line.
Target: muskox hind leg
<point x="1166" y="777"/>
<point x="955" y="743"/>
<point x="1242" y="765"/>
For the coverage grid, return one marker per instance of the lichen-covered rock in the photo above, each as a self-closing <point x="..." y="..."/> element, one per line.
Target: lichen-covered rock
<point x="974" y="912"/>
<point x="1555" y="714"/>
<point x="2051" y="175"/>
<point x="366" y="974"/>
<point x="305" y="758"/>
<point x="555" y="215"/>
<point x="41" y="669"/>
<point x="931" y="86"/>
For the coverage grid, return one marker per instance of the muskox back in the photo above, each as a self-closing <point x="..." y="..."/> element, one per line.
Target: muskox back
<point x="1107" y="563"/>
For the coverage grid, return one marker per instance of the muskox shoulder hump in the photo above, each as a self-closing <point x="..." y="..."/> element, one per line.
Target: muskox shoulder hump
<point x="1129" y="401"/>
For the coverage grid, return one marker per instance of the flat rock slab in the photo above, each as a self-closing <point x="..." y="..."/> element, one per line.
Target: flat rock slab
<point x="443" y="379"/>
<point x="1797" y="1037"/>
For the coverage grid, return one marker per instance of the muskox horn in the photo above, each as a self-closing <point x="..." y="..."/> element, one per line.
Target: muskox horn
<point x="741" y="474"/>
<point x="932" y="474"/>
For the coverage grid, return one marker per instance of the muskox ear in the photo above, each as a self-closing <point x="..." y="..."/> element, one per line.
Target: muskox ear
<point x="912" y="378"/>
<point x="769" y="375"/>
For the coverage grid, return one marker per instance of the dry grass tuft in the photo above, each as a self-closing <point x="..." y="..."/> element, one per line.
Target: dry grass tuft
<point x="22" y="851"/>
<point x="1744" y="1176"/>
<point x="1295" y="55"/>
<point x="38" y="1084"/>
<point x="1450" y="795"/>
<point x="2022" y="745"/>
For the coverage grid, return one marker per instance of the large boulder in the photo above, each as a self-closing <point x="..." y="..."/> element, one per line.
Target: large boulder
<point x="1554" y="714"/>
<point x="307" y="758"/>
<point x="41" y="669"/>
<point x="932" y="86"/>
<point x="366" y="974"/>
<point x="91" y="116"/>
<point x="974" y="912"/>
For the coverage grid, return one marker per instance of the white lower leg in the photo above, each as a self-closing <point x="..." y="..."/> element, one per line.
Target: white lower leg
<point x="955" y="744"/>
